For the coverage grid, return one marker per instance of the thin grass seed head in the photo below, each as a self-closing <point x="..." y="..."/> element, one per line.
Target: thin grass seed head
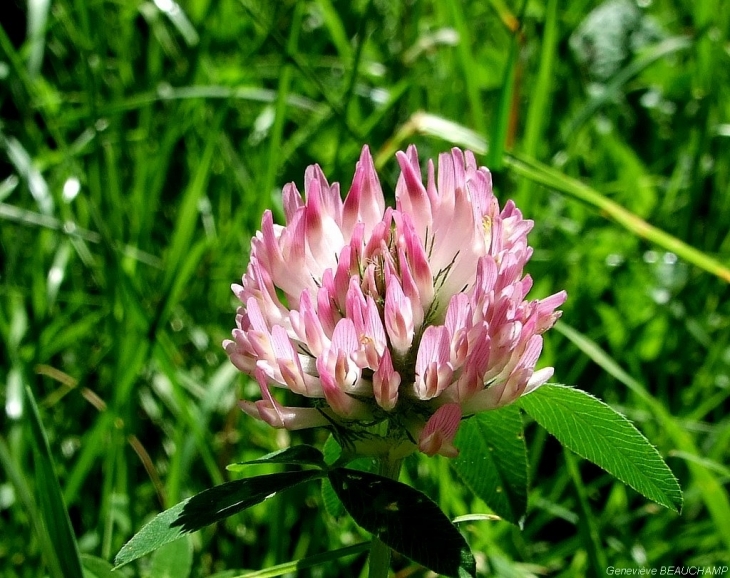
<point x="414" y="315"/>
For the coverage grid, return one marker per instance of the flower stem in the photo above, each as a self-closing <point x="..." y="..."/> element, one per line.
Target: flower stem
<point x="380" y="552"/>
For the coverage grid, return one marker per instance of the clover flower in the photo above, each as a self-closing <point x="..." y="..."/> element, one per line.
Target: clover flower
<point x="413" y="316"/>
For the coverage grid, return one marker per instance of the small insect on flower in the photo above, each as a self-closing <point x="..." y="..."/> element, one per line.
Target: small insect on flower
<point x="415" y="316"/>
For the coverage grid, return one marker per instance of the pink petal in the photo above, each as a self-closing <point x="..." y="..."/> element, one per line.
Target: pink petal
<point x="386" y="382"/>
<point x="328" y="199"/>
<point x="368" y="327"/>
<point x="365" y="202"/>
<point x="440" y="431"/>
<point x="417" y="261"/>
<point x="341" y="403"/>
<point x="410" y="290"/>
<point x="276" y="415"/>
<point x="323" y="234"/>
<point x="290" y="367"/>
<point x="433" y="370"/>
<point x="292" y="201"/>
<point x="398" y="315"/>
<point x="327" y="309"/>
<point x="538" y="378"/>
<point x="307" y="325"/>
<point x="547" y="316"/>
<point x="411" y="196"/>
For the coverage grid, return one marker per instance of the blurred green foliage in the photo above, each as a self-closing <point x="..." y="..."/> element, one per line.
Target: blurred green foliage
<point x="139" y="144"/>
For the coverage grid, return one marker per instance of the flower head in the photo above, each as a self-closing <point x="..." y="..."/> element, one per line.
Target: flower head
<point x="414" y="315"/>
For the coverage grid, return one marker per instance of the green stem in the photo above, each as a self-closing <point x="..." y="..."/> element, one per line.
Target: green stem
<point x="380" y="552"/>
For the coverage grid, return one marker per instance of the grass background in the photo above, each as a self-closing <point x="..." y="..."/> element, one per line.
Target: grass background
<point x="139" y="144"/>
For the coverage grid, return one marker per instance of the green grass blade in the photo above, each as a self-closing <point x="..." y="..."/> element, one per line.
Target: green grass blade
<point x="24" y="495"/>
<point x="554" y="179"/>
<point x="192" y="434"/>
<point x="37" y="22"/>
<point x="336" y="28"/>
<point x="95" y="443"/>
<point x="50" y="500"/>
<point x="434" y="126"/>
<point x="707" y="463"/>
<point x="187" y="217"/>
<point x="468" y="67"/>
<point x="21" y="159"/>
<point x="586" y="522"/>
<point x="273" y="162"/>
<point x="538" y="113"/>
<point x="185" y="272"/>
<point x="500" y="133"/>
<point x="72" y="231"/>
